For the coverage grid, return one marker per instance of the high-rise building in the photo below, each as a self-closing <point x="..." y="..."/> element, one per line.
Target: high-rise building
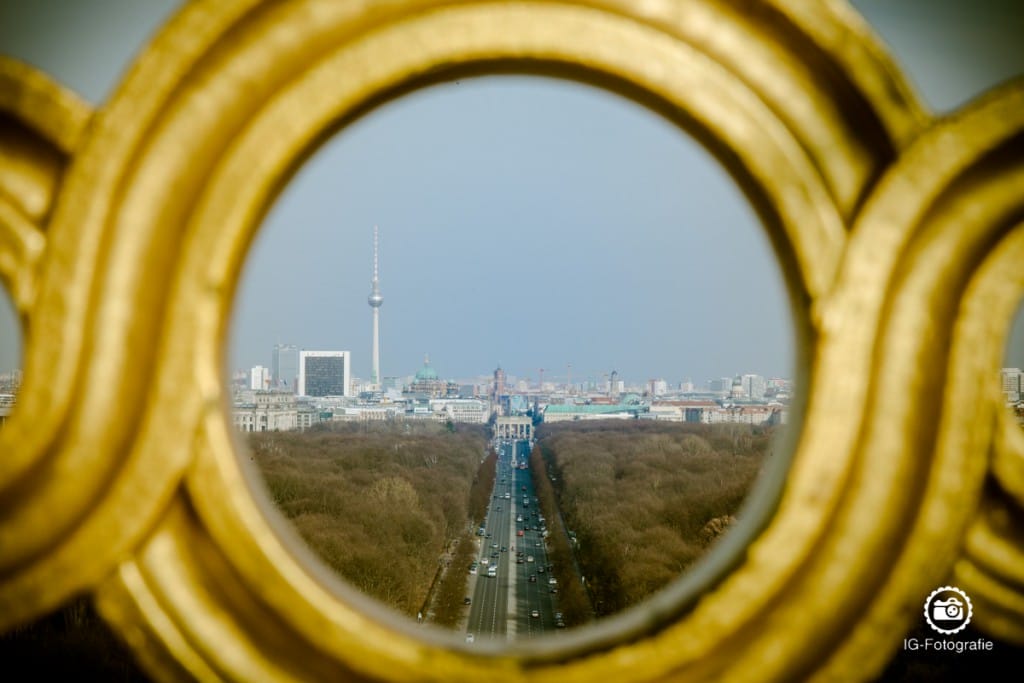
<point x="754" y="386"/>
<point x="376" y="301"/>
<point x="498" y="390"/>
<point x="325" y="373"/>
<point x="284" y="367"/>
<point x="259" y="378"/>
<point x="722" y="385"/>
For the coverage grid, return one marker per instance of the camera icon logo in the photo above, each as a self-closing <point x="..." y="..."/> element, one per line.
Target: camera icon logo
<point x="948" y="610"/>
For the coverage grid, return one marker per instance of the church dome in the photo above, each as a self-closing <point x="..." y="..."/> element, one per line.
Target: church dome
<point x="426" y="373"/>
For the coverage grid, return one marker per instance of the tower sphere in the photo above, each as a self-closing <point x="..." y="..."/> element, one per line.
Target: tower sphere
<point x="375" y="300"/>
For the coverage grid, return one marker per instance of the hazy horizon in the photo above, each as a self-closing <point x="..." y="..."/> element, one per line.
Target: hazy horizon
<point x="525" y="222"/>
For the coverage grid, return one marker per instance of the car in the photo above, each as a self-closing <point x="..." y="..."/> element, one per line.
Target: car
<point x="540" y="570"/>
<point x="552" y="581"/>
<point x="535" y="614"/>
<point x="488" y="535"/>
<point x="519" y="533"/>
<point x="533" y="578"/>
<point x="467" y="600"/>
<point x="469" y="638"/>
<point x="559" y="616"/>
<point x="504" y="549"/>
<point x="559" y="624"/>
<point x="529" y="558"/>
<point x="494" y="545"/>
<point x="553" y="589"/>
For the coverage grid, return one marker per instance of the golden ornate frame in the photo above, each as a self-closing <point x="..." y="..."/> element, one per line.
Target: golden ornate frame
<point x="123" y="231"/>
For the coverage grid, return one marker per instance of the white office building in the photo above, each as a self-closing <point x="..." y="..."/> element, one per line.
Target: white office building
<point x="259" y="378"/>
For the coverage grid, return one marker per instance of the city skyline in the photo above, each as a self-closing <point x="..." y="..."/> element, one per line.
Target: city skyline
<point x="605" y="281"/>
<point x="548" y="378"/>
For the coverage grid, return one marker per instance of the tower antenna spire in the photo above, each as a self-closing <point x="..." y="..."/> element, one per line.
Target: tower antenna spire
<point x="376" y="270"/>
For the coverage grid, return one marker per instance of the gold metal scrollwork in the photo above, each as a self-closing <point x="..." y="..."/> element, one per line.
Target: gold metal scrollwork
<point x="122" y="234"/>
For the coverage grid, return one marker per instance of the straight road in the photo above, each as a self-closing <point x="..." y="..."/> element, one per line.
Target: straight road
<point x="504" y="604"/>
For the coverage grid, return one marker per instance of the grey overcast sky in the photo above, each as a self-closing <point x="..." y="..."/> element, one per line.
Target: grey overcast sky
<point x="527" y="222"/>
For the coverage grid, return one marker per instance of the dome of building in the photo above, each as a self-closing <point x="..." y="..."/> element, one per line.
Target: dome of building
<point x="426" y="373"/>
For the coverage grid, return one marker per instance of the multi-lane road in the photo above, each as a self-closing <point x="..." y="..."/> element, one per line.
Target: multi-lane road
<point x="520" y="599"/>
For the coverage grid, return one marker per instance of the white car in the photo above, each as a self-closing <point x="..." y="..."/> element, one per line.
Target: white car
<point x="469" y="638"/>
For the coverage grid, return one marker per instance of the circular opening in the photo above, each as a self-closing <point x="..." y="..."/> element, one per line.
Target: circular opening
<point x="584" y="359"/>
<point x="10" y="357"/>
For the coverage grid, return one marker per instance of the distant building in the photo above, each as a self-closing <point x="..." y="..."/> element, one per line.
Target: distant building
<point x="284" y="367"/>
<point x="265" y="411"/>
<point x="1012" y="381"/>
<point x="722" y="385"/>
<point x="466" y="410"/>
<point x="614" y="387"/>
<point x="498" y="389"/>
<point x="657" y="387"/>
<point x="754" y="386"/>
<point x="325" y="373"/>
<point x="513" y="428"/>
<point x="10" y="382"/>
<point x="259" y="378"/>
<point x="427" y="384"/>
<point x="517" y="404"/>
<point x="7" y="402"/>
<point x="240" y="379"/>
<point x="720" y="411"/>
<point x="626" y="410"/>
<point x="306" y="415"/>
<point x="737" y="391"/>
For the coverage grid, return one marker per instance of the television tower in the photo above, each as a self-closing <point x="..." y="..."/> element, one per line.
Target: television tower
<point x="376" y="301"/>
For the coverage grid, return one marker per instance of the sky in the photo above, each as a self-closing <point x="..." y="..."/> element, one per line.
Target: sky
<point x="524" y="222"/>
